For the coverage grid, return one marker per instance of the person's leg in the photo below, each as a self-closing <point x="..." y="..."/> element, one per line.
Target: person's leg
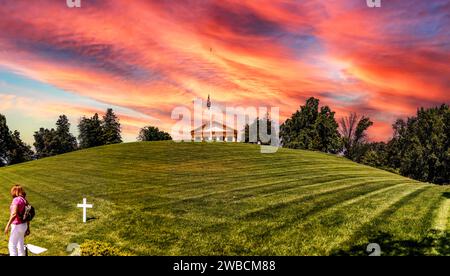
<point x="13" y="239"/>
<point x="21" y="237"/>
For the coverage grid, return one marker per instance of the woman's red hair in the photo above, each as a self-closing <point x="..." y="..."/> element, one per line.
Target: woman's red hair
<point x="17" y="190"/>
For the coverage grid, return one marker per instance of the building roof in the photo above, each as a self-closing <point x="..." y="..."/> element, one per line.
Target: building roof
<point x="215" y="127"/>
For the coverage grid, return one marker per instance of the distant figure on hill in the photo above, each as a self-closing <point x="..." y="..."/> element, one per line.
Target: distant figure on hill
<point x="19" y="228"/>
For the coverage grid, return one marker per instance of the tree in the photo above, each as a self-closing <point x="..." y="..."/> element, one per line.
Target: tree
<point x="12" y="149"/>
<point x="90" y="132"/>
<point x="376" y="155"/>
<point x="420" y="146"/>
<point x="66" y="142"/>
<point x="255" y="126"/>
<point x="19" y="152"/>
<point x="353" y="130"/>
<point x="50" y="142"/>
<point x="150" y="133"/>
<point x="310" y="129"/>
<point x="111" y="128"/>
<point x="95" y="132"/>
<point x="394" y="146"/>
<point x="44" y="142"/>
<point x="327" y="138"/>
<point x="298" y="131"/>
<point x="5" y="141"/>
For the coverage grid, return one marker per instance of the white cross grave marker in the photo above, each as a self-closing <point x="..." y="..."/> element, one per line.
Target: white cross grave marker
<point x="84" y="206"/>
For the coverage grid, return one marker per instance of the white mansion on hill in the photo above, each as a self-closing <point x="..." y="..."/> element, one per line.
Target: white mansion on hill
<point x="214" y="131"/>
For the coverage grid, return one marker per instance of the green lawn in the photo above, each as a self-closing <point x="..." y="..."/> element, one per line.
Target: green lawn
<point x="166" y="198"/>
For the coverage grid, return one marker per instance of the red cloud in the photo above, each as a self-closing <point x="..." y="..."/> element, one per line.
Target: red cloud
<point x="150" y="56"/>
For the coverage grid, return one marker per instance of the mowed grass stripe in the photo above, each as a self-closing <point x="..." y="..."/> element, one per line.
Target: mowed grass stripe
<point x="415" y="214"/>
<point x="236" y="209"/>
<point x="267" y="184"/>
<point x="413" y="226"/>
<point x="253" y="196"/>
<point x="251" y="191"/>
<point x="280" y="200"/>
<point x="262" y="230"/>
<point x="442" y="217"/>
<point x="371" y="210"/>
<point x="321" y="233"/>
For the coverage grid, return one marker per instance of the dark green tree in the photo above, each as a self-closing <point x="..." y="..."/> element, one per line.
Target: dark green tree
<point x="45" y="142"/>
<point x="151" y="133"/>
<point x="66" y="142"/>
<point x="39" y="142"/>
<point x="354" y="133"/>
<point x="420" y="146"/>
<point x="255" y="126"/>
<point x="298" y="131"/>
<point x="90" y="132"/>
<point x="111" y="128"/>
<point x="394" y="146"/>
<point x="310" y="129"/>
<point x="19" y="152"/>
<point x="5" y="141"/>
<point x="50" y="142"/>
<point x="327" y="138"/>
<point x="12" y="149"/>
<point x="376" y="155"/>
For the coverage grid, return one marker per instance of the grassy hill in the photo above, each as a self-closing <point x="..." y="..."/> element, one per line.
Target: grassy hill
<point x="166" y="198"/>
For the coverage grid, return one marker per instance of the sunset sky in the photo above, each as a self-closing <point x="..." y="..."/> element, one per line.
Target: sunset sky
<point x="143" y="58"/>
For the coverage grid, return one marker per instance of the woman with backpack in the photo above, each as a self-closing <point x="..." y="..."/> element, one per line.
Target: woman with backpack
<point x="19" y="227"/>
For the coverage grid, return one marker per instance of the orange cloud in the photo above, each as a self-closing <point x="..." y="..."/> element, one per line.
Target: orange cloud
<point x="151" y="56"/>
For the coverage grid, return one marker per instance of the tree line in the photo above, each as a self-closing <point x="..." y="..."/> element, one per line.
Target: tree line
<point x="419" y="147"/>
<point x="93" y="131"/>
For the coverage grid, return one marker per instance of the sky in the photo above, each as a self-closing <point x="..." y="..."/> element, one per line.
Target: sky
<point x="144" y="58"/>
